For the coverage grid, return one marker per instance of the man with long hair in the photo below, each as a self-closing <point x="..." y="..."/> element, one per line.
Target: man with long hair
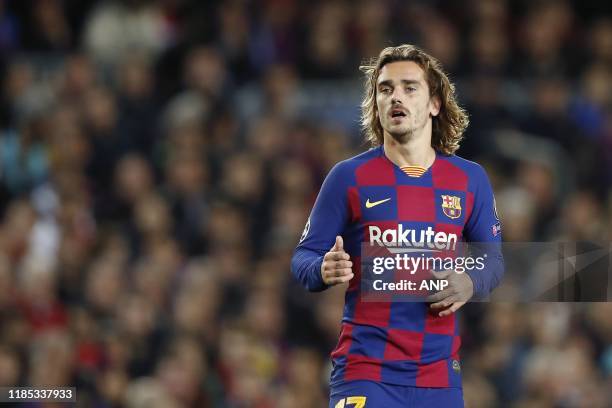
<point x="401" y="354"/>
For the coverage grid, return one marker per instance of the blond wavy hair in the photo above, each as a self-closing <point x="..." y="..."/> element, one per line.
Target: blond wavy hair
<point x="450" y="123"/>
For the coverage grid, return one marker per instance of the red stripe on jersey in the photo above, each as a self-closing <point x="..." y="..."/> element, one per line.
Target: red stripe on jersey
<point x="447" y="176"/>
<point x="403" y="345"/>
<point x="344" y="342"/>
<point x="469" y="204"/>
<point x="353" y="201"/>
<point x="433" y="375"/>
<point x="455" y="347"/>
<point x="362" y="368"/>
<point x="449" y="228"/>
<point x="376" y="172"/>
<point x="373" y="313"/>
<point x="439" y="325"/>
<point x="416" y="203"/>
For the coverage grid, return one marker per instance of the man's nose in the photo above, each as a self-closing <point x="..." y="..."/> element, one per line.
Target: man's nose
<point x="396" y="97"/>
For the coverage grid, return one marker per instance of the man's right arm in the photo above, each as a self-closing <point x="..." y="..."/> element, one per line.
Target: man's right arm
<point x="319" y="242"/>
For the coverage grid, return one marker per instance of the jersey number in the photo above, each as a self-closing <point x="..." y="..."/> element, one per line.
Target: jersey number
<point x="358" y="402"/>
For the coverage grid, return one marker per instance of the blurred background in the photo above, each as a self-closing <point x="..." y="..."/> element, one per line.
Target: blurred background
<point x="158" y="161"/>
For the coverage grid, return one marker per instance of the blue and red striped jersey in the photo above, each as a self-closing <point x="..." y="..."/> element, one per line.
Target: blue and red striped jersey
<point x="398" y="342"/>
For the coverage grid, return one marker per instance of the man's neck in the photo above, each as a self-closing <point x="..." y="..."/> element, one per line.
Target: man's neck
<point x="415" y="152"/>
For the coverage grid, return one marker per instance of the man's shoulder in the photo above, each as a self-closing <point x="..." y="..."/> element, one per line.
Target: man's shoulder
<point x="344" y="173"/>
<point x="363" y="157"/>
<point x="352" y="163"/>
<point x="469" y="167"/>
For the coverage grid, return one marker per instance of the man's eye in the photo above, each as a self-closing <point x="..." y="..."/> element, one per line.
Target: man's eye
<point x="385" y="90"/>
<point x="410" y="89"/>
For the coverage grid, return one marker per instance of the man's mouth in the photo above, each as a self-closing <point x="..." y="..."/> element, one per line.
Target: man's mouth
<point x="397" y="113"/>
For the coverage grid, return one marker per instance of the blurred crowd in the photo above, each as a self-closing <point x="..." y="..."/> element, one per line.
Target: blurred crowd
<point x="158" y="161"/>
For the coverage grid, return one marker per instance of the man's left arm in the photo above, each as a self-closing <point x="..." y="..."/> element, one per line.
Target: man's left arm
<point x="483" y="234"/>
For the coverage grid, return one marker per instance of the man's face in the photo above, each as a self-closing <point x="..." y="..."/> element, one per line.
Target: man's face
<point x="402" y="99"/>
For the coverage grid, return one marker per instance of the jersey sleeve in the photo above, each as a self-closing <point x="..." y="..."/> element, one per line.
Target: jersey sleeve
<point x="483" y="232"/>
<point x="327" y="219"/>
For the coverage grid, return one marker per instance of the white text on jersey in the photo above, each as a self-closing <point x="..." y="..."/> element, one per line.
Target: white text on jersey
<point x="406" y="237"/>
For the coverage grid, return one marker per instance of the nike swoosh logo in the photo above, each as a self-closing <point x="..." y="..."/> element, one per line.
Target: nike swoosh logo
<point x="375" y="203"/>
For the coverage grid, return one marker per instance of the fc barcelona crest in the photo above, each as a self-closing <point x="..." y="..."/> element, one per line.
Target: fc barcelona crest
<point x="451" y="206"/>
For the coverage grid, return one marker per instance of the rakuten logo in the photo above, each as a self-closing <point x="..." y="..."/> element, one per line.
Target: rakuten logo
<point x="406" y="237"/>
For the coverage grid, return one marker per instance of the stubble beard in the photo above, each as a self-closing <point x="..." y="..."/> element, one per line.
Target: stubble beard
<point x="408" y="132"/>
<point x="405" y="133"/>
<point x="402" y="136"/>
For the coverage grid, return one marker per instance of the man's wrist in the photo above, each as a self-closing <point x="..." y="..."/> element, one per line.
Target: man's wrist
<point x="320" y="281"/>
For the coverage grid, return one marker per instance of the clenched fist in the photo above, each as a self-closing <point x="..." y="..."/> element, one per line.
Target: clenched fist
<point x="336" y="266"/>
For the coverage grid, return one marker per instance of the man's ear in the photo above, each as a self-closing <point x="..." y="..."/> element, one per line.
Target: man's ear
<point x="435" y="104"/>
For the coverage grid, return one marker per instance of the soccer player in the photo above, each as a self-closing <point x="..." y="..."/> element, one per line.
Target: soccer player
<point x="400" y="354"/>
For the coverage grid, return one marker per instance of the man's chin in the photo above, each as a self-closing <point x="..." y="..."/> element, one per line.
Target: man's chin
<point x="400" y="135"/>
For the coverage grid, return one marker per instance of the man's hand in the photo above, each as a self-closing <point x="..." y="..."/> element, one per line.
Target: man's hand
<point x="336" y="266"/>
<point x="459" y="290"/>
